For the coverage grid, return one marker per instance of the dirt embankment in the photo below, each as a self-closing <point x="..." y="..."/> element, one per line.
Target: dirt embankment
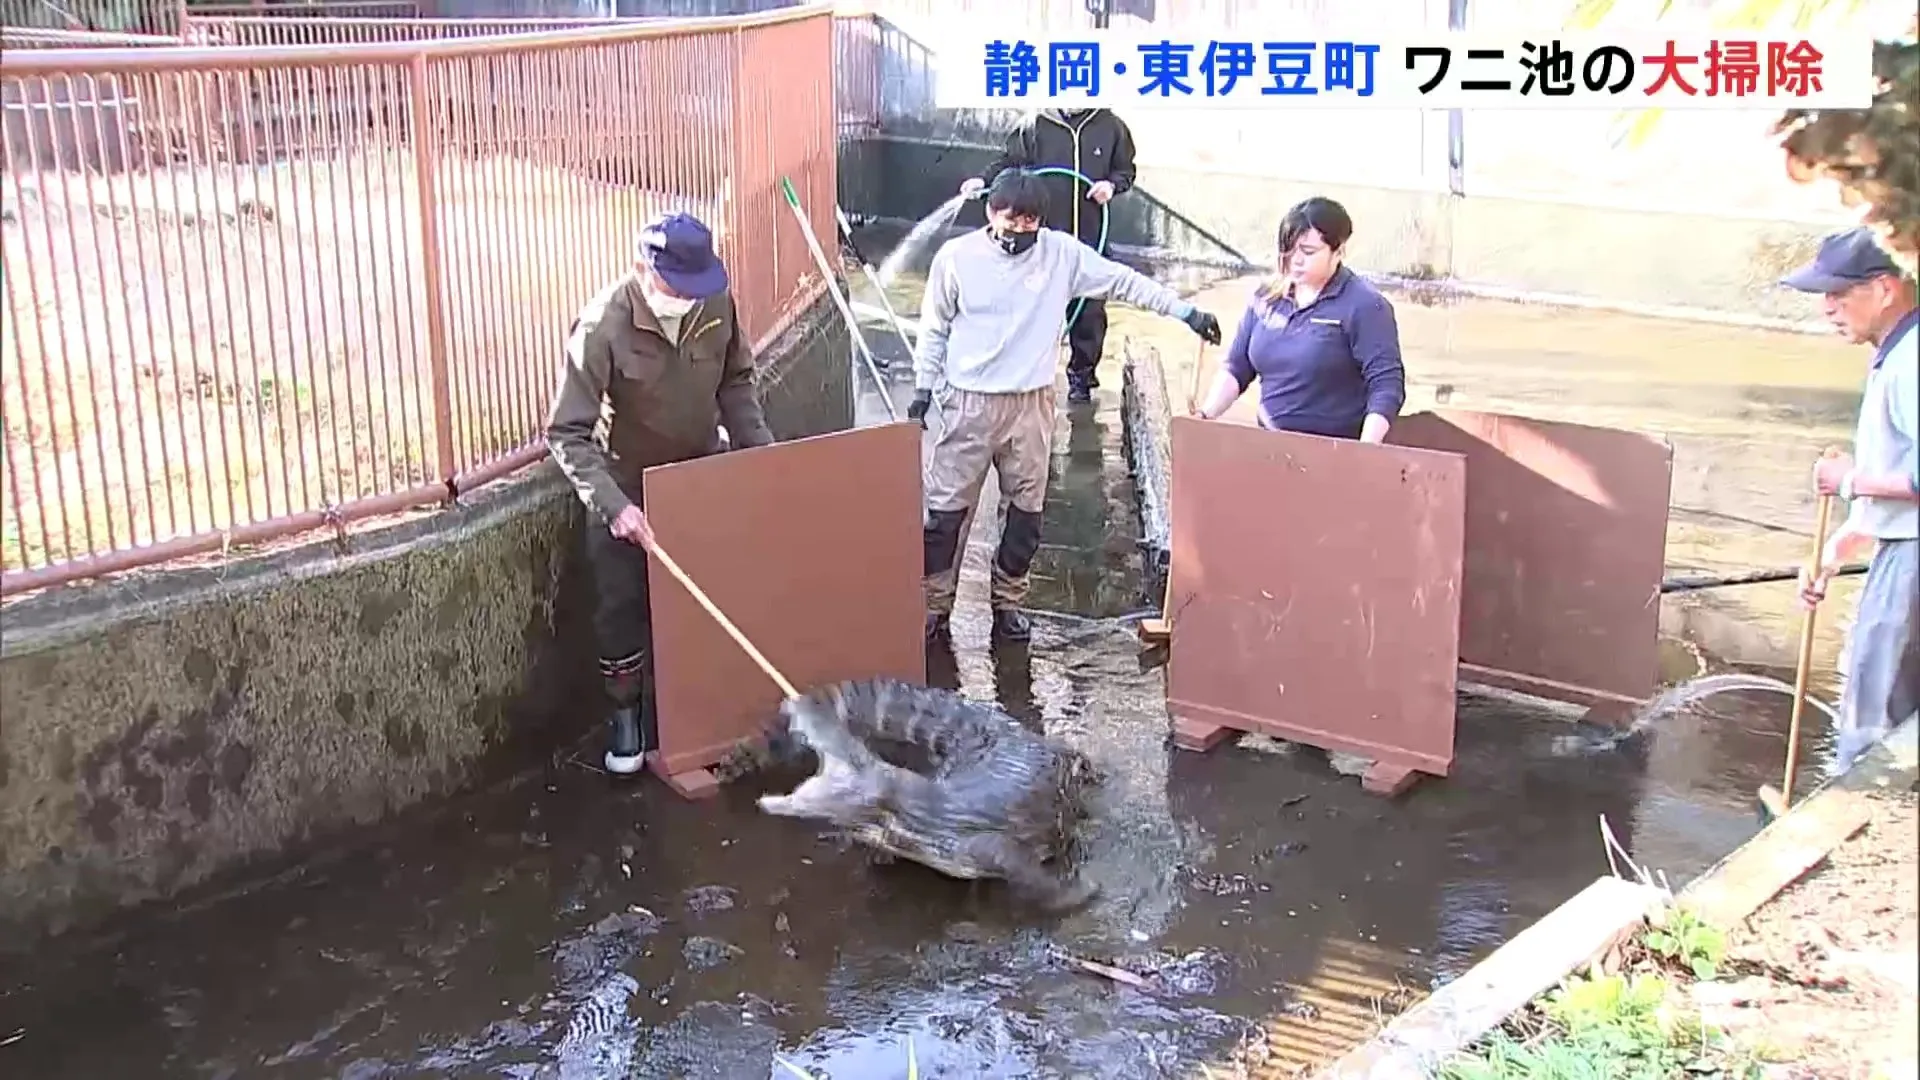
<point x="1831" y="964"/>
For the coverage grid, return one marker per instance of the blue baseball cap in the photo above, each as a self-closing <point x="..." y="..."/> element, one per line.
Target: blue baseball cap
<point x="679" y="247"/>
<point x="1845" y="259"/>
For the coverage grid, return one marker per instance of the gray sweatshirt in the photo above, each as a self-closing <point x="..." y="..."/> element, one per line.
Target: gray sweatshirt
<point x="991" y="322"/>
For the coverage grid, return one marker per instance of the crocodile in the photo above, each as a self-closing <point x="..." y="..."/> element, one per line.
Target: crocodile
<point x="933" y="777"/>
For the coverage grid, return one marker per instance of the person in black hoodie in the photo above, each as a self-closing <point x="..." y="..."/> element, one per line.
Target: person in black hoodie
<point x="1096" y="144"/>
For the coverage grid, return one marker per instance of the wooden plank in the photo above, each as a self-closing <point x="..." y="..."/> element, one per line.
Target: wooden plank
<point x="1572" y="936"/>
<point x="1775" y="859"/>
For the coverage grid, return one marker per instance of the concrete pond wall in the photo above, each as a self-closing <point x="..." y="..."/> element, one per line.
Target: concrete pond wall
<point x="177" y="725"/>
<point x="1583" y="203"/>
<point x="1527" y="245"/>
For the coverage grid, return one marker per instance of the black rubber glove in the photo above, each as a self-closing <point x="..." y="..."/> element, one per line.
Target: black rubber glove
<point x="1205" y="325"/>
<point x="922" y="401"/>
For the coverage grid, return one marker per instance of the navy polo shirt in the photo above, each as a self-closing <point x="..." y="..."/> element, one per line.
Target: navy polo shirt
<point x="1323" y="367"/>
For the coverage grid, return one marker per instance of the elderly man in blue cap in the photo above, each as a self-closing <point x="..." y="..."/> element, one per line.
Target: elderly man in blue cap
<point x="663" y="347"/>
<point x="1870" y="301"/>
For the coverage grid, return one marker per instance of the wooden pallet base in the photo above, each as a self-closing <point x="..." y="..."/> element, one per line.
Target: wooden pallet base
<point x="687" y="783"/>
<point x="1198" y="735"/>
<point x="1388" y="780"/>
<point x="1384" y="778"/>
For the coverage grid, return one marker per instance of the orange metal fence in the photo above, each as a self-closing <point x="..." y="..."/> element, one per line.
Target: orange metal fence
<point x="258" y="291"/>
<point x="201" y="29"/>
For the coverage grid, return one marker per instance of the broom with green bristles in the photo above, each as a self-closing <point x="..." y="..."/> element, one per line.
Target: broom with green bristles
<point x="839" y="301"/>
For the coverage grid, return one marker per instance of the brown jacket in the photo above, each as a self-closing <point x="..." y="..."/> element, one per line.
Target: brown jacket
<point x="666" y="400"/>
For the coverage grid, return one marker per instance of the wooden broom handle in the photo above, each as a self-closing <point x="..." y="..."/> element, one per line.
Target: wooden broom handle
<point x="700" y="596"/>
<point x="1803" y="669"/>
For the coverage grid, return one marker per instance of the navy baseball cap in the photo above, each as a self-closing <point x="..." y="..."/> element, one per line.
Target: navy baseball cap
<point x="1846" y="259"/>
<point x="679" y="247"/>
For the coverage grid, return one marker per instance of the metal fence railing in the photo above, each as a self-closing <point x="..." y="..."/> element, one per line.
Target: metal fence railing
<point x="29" y="37"/>
<point x="859" y="56"/>
<point x="200" y="29"/>
<point x="253" y="292"/>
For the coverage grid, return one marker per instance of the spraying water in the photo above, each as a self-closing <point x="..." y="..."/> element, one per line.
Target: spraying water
<point x="1675" y="698"/>
<point x="1692" y="691"/>
<point x="922" y="237"/>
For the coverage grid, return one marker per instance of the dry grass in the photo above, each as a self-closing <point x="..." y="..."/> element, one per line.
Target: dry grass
<point x="192" y="349"/>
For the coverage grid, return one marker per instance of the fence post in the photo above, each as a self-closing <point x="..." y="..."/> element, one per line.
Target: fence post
<point x="748" y="193"/>
<point x="427" y="195"/>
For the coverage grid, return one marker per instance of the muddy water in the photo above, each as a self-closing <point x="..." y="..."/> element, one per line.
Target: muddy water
<point x="1254" y="881"/>
<point x="571" y="925"/>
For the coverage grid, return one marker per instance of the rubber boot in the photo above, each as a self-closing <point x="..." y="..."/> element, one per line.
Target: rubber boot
<point x="1011" y="624"/>
<point x="626" y="753"/>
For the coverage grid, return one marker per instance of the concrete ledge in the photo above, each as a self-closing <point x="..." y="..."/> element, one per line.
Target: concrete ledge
<point x="167" y="728"/>
<point x="1574" y="935"/>
<point x="177" y="724"/>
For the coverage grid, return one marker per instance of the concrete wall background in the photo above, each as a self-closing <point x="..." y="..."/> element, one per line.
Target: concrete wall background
<point x="175" y="726"/>
<point x="1546" y="202"/>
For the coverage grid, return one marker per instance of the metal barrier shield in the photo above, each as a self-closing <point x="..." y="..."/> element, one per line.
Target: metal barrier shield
<point x="1566" y="548"/>
<point x="1316" y="594"/>
<point x="812" y="548"/>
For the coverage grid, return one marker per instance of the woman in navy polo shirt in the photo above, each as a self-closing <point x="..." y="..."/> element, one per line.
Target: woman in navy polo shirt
<point x="1321" y="340"/>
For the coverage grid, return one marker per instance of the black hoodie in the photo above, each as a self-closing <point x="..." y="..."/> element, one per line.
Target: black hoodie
<point x="1092" y="142"/>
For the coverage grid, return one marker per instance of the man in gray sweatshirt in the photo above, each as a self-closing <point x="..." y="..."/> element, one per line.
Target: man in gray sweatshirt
<point x="990" y="325"/>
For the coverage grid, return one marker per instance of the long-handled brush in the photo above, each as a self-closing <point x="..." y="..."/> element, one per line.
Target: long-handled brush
<point x="1774" y="802"/>
<point x="792" y="198"/>
<point x="1155" y="631"/>
<point x="873" y="279"/>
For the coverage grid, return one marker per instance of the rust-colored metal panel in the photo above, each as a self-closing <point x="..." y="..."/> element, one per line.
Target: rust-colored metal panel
<point x="1316" y="590"/>
<point x="812" y="548"/>
<point x="1566" y="548"/>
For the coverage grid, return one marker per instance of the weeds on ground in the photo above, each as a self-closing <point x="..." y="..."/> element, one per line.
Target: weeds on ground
<point x="1679" y="937"/>
<point x="1632" y="1025"/>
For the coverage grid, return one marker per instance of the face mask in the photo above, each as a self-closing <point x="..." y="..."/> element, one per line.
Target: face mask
<point x="1015" y="243"/>
<point x="668" y="307"/>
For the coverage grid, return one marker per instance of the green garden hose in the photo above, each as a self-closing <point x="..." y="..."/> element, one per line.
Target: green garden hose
<point x="1099" y="245"/>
